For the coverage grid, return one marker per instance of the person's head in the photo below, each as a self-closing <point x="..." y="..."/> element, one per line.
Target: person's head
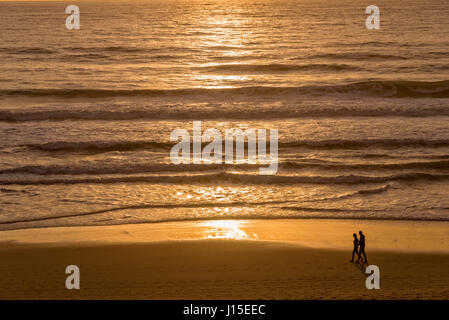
<point x="354" y="235"/>
<point x="360" y="232"/>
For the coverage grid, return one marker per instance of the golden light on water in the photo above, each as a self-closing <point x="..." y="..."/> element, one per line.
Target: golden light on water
<point x="223" y="37"/>
<point x="225" y="229"/>
<point x="211" y="81"/>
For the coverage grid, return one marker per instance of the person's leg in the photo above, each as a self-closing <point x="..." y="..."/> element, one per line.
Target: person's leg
<point x="353" y="252"/>
<point x="361" y="251"/>
<point x="364" y="255"/>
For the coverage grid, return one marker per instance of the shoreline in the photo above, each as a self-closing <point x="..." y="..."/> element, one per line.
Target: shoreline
<point x="332" y="234"/>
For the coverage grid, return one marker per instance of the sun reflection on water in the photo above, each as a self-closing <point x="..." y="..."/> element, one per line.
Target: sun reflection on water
<point x="225" y="229"/>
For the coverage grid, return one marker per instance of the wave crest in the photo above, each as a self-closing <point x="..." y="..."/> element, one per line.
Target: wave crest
<point x="398" y="89"/>
<point x="109" y="146"/>
<point x="225" y="177"/>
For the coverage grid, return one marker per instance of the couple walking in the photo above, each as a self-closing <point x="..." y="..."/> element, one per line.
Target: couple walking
<point x="359" y="247"/>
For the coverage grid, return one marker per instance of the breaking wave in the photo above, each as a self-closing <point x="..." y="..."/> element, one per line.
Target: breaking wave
<point x="108" y="146"/>
<point x="135" y="168"/>
<point x="225" y="177"/>
<point x="274" y="68"/>
<point x="398" y="89"/>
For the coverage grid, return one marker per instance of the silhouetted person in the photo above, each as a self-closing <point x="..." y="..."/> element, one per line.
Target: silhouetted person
<point x="356" y="246"/>
<point x="362" y="247"/>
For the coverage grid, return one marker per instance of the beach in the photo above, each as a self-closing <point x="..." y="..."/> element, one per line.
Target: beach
<point x="117" y="149"/>
<point x="227" y="260"/>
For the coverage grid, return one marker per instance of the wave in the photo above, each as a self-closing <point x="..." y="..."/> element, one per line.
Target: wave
<point x="395" y="89"/>
<point x="149" y="206"/>
<point x="443" y="164"/>
<point x="30" y="50"/>
<point x="201" y="114"/>
<point x="329" y="213"/>
<point x="135" y="168"/>
<point x="109" y="146"/>
<point x="128" y="168"/>
<point x="128" y="49"/>
<point x="378" y="190"/>
<point x="225" y="177"/>
<point x="100" y="146"/>
<point x="89" y="50"/>
<point x="276" y="67"/>
<point x="365" y="143"/>
<point x="358" y="56"/>
<point x="313" y="209"/>
<point x="107" y="49"/>
<point x="6" y="190"/>
<point x="375" y="191"/>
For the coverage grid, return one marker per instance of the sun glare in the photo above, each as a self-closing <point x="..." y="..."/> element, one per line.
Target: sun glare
<point x="225" y="229"/>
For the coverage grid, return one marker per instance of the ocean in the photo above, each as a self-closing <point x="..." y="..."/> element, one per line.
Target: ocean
<point x="86" y="115"/>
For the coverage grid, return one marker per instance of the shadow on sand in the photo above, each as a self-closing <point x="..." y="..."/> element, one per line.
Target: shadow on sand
<point x="360" y="266"/>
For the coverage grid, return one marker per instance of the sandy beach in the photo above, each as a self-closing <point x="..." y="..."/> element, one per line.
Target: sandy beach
<point x="224" y="149"/>
<point x="226" y="260"/>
